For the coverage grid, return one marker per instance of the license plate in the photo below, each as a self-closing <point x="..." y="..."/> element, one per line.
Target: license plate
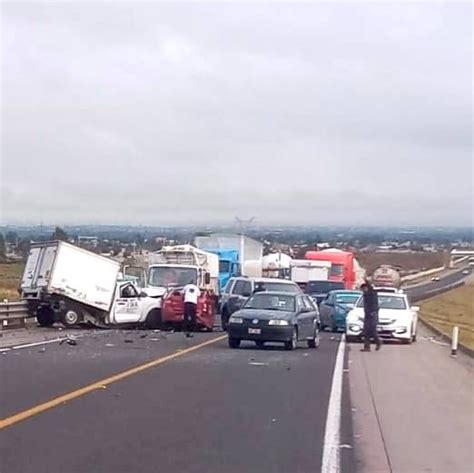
<point x="255" y="331"/>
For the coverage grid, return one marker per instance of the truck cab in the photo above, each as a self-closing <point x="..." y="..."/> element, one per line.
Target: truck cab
<point x="133" y="306"/>
<point x="229" y="265"/>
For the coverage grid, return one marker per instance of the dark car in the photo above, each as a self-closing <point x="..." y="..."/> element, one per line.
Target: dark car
<point x="334" y="308"/>
<point x="318" y="290"/>
<point x="275" y="317"/>
<point x="240" y="288"/>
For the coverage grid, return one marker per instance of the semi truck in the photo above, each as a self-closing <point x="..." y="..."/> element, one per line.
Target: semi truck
<point x="250" y="252"/>
<point x="62" y="282"/>
<point x="276" y="265"/>
<point x="172" y="268"/>
<point x="344" y="266"/>
<point x="386" y="276"/>
<point x="304" y="270"/>
<point x="229" y="265"/>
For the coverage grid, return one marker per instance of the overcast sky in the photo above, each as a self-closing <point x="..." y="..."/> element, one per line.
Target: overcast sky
<point x="155" y="113"/>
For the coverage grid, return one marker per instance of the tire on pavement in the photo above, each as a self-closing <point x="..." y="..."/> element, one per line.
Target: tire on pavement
<point x="153" y="319"/>
<point x="291" y="344"/>
<point x="45" y="316"/>
<point x="234" y="342"/>
<point x="314" y="342"/>
<point x="71" y="317"/>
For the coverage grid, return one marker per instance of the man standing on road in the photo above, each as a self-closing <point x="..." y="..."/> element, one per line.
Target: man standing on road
<point x="371" y="316"/>
<point x="191" y="295"/>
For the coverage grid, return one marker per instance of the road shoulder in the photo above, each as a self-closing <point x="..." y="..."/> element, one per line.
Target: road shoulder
<point x="412" y="408"/>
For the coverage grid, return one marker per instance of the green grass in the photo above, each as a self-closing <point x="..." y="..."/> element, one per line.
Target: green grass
<point x="452" y="308"/>
<point x="10" y="278"/>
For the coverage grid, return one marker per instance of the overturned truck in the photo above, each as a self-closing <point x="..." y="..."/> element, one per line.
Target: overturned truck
<point x="65" y="283"/>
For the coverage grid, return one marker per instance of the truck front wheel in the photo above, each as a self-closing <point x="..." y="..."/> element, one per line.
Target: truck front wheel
<point x="153" y="319"/>
<point x="45" y="316"/>
<point x="71" y="317"/>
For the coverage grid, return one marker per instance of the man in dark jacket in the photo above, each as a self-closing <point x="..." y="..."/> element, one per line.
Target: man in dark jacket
<point x="371" y="316"/>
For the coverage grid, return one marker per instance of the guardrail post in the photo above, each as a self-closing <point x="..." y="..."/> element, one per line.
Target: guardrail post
<point x="454" y="341"/>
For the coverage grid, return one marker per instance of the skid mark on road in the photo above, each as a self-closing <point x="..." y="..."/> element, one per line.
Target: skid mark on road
<point x="20" y="416"/>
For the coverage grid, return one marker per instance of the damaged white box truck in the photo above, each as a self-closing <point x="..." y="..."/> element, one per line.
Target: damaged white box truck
<point x="63" y="282"/>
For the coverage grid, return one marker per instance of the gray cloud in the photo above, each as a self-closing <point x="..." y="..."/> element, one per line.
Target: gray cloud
<point x="169" y="113"/>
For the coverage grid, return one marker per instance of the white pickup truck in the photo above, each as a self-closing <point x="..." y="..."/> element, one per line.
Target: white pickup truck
<point x="66" y="283"/>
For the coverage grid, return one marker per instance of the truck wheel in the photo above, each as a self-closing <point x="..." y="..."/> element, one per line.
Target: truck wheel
<point x="153" y="319"/>
<point x="71" y="317"/>
<point x="45" y="316"/>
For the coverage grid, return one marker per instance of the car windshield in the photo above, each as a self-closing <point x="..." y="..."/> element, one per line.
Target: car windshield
<point x="169" y="276"/>
<point x="280" y="287"/>
<point x="347" y="298"/>
<point x="323" y="287"/>
<point x="388" y="301"/>
<point x="224" y="266"/>
<point x="271" y="302"/>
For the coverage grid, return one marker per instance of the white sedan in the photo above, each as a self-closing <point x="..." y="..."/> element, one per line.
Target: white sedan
<point x="397" y="320"/>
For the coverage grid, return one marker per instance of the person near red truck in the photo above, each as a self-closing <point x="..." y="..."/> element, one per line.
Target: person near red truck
<point x="371" y="316"/>
<point x="191" y="296"/>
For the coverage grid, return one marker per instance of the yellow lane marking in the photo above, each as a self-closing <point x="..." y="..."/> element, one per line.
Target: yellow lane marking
<point x="14" y="419"/>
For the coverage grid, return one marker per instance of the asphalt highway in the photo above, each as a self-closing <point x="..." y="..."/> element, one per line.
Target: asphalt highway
<point x="207" y="409"/>
<point x="150" y="401"/>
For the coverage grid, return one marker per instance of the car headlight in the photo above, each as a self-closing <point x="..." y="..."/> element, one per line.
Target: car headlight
<point x="278" y="322"/>
<point x="236" y="320"/>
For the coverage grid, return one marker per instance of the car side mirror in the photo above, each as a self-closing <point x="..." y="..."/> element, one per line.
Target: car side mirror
<point x="143" y="294"/>
<point x="305" y="310"/>
<point x="246" y="294"/>
<point x="415" y="308"/>
<point x="207" y="278"/>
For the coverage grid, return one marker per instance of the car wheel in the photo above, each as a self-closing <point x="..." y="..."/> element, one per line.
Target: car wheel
<point x="225" y="318"/>
<point x="314" y="342"/>
<point x="291" y="344"/>
<point x="260" y="344"/>
<point x="45" y="316"/>
<point x="234" y="342"/>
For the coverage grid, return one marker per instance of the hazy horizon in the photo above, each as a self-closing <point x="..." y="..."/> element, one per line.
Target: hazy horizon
<point x="194" y="113"/>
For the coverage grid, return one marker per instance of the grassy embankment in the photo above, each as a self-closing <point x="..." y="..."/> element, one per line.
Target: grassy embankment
<point x="10" y="277"/>
<point x="452" y="308"/>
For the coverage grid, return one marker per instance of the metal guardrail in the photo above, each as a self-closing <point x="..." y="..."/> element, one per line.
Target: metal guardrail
<point x="13" y="315"/>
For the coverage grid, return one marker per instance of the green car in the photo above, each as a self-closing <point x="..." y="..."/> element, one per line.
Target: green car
<point x="335" y="307"/>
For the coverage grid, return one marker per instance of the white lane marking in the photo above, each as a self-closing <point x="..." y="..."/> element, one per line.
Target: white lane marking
<point x="35" y="344"/>
<point x="331" y="462"/>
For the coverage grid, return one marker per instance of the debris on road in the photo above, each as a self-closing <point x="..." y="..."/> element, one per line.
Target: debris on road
<point x="258" y="363"/>
<point x="42" y="350"/>
<point x="71" y="342"/>
<point x="345" y="445"/>
<point x="109" y="345"/>
<point x="144" y="335"/>
<point x="154" y="339"/>
<point x="128" y="341"/>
